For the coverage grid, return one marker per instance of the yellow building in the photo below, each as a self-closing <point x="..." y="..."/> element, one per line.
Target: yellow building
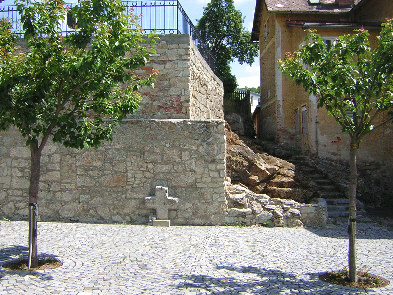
<point x="287" y="113"/>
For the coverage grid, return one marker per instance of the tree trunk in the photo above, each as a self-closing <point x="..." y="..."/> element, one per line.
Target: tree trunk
<point x="33" y="200"/>
<point x="353" y="178"/>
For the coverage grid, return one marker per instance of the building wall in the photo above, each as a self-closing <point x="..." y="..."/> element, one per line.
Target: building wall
<point x="376" y="147"/>
<point x="205" y="88"/>
<point x="110" y="183"/>
<point x="267" y="46"/>
<point x="375" y="11"/>
<point x="323" y="137"/>
<point x="185" y="87"/>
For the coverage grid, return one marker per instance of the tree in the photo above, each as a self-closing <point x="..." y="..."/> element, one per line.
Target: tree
<point x="221" y="30"/>
<point x="73" y="89"/>
<point x="355" y="85"/>
<point x="254" y="89"/>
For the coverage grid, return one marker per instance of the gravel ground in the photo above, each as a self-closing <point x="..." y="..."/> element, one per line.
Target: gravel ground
<point x="131" y="259"/>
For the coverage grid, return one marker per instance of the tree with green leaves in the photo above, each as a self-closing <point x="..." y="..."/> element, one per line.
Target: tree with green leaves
<point x="221" y="30"/>
<point x="355" y="85"/>
<point x="254" y="89"/>
<point x="73" y="89"/>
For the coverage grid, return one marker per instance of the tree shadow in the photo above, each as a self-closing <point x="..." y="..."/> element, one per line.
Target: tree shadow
<point x="265" y="281"/>
<point x="17" y="252"/>
<point x="365" y="230"/>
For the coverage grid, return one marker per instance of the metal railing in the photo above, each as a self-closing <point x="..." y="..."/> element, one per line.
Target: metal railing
<point x="163" y="17"/>
<point x="240" y="95"/>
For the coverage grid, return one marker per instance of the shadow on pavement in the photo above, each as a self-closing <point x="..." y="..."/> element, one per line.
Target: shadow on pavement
<point x="265" y="281"/>
<point x="365" y="230"/>
<point x="16" y="252"/>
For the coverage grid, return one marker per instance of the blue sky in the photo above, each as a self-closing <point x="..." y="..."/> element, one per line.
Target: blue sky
<point x="246" y="75"/>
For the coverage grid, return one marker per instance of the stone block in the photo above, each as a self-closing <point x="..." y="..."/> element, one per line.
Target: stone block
<point x="161" y="223"/>
<point x="235" y="212"/>
<point x="20" y="152"/>
<point x="263" y="217"/>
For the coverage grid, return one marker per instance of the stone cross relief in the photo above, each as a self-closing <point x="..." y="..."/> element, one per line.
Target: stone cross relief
<point x="162" y="203"/>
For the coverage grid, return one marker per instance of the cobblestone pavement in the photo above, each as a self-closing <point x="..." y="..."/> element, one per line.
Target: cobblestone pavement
<point x="131" y="259"/>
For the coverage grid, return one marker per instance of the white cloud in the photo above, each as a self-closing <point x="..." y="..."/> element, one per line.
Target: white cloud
<point x="250" y="81"/>
<point x="240" y="1"/>
<point x="252" y="69"/>
<point x="203" y="1"/>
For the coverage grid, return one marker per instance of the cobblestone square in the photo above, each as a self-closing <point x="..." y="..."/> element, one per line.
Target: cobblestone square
<point x="131" y="259"/>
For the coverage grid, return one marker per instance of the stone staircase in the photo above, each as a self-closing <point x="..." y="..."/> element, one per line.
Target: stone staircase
<point x="311" y="176"/>
<point x="337" y="202"/>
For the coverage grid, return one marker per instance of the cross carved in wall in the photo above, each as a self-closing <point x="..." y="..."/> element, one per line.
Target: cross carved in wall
<point x="162" y="203"/>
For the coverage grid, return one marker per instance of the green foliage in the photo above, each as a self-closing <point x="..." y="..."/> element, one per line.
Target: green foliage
<point x="256" y="90"/>
<point x="353" y="81"/>
<point x="221" y="28"/>
<point x="75" y="88"/>
<point x="355" y="85"/>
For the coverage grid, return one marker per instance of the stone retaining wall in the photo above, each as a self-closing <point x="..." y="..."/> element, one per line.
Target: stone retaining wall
<point x="110" y="183"/>
<point x="185" y="87"/>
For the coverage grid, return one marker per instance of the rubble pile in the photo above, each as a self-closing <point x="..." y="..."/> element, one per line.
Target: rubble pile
<point x="263" y="190"/>
<point x="262" y="173"/>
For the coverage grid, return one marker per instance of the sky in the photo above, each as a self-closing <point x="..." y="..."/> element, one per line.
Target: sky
<point x="246" y="75"/>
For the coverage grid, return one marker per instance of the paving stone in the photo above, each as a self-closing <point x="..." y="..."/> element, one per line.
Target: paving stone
<point x="130" y="259"/>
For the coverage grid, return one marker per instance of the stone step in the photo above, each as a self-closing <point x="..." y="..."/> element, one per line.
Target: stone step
<point x="299" y="158"/>
<point x="327" y="187"/>
<point x="316" y="176"/>
<point x="309" y="170"/>
<point x="322" y="181"/>
<point x="337" y="202"/>
<point x="330" y="194"/>
<point x="333" y="214"/>
<point x="337" y="208"/>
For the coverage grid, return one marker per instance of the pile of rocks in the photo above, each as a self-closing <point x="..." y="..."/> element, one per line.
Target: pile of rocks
<point x="248" y="208"/>
<point x="262" y="173"/>
<point x="264" y="190"/>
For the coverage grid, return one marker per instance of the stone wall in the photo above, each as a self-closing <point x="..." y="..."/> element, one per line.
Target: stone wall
<point x="206" y="90"/>
<point x="248" y="208"/>
<point x="185" y="87"/>
<point x="110" y="183"/>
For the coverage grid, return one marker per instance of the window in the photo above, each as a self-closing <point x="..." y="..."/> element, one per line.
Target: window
<point x="329" y="41"/>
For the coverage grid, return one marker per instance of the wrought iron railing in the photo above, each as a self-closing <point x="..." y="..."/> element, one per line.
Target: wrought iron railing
<point x="240" y="94"/>
<point x="163" y="17"/>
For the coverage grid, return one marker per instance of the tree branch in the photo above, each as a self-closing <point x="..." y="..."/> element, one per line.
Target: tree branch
<point x="60" y="106"/>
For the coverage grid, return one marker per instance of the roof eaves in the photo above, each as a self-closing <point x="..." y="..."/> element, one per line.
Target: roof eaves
<point x="257" y="21"/>
<point x="356" y="6"/>
<point x="325" y="12"/>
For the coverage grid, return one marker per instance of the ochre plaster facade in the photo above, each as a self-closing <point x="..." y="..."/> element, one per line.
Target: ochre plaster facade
<point x="288" y="114"/>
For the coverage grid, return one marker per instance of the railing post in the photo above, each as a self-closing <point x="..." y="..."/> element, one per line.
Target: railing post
<point x="177" y="17"/>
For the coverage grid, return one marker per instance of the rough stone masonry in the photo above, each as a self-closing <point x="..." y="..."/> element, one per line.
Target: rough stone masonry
<point x="175" y="140"/>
